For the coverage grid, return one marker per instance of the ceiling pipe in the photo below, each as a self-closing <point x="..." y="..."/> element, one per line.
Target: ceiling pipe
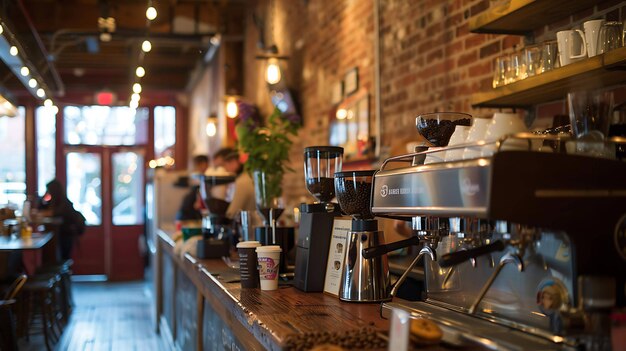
<point x="60" y="87"/>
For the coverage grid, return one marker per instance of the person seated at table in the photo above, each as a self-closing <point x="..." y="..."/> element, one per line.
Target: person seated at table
<point x="191" y="206"/>
<point x="56" y="204"/>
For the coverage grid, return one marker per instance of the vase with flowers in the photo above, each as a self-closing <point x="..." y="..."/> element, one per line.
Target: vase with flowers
<point x="266" y="143"/>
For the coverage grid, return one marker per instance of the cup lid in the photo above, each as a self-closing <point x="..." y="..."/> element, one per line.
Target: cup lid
<point x="248" y="244"/>
<point x="269" y="249"/>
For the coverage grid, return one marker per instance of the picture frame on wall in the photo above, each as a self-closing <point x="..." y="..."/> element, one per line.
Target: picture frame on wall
<point x="351" y="81"/>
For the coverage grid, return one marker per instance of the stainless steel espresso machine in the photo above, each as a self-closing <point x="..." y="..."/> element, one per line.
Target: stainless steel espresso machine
<point x="528" y="249"/>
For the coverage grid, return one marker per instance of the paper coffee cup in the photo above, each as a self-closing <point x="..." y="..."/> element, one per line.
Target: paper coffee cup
<point x="268" y="258"/>
<point x="248" y="264"/>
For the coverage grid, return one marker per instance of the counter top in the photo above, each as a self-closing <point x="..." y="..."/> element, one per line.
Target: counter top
<point x="272" y="317"/>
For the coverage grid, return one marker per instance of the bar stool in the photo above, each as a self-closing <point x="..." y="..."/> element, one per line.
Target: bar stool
<point x="38" y="303"/>
<point x="8" y="338"/>
<point x="64" y="270"/>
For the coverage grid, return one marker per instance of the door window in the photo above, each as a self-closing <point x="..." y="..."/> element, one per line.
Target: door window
<point x="84" y="185"/>
<point x="45" y="121"/>
<point x="13" y="156"/>
<point x="104" y="125"/>
<point x="127" y="188"/>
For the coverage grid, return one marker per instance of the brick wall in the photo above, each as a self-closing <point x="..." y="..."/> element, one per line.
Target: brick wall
<point x="429" y="60"/>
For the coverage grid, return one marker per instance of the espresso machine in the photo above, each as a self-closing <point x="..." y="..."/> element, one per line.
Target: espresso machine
<point x="363" y="279"/>
<point x="316" y="219"/>
<point x="528" y="249"/>
<point x="217" y="229"/>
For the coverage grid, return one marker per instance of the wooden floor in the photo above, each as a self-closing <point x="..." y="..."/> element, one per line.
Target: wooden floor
<point x="107" y="316"/>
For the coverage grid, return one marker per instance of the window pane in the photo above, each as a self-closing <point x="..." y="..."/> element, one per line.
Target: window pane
<point x="104" y="125"/>
<point x="13" y="156"/>
<point x="164" y="130"/>
<point x="46" y="147"/>
<point x="127" y="188"/>
<point x="84" y="185"/>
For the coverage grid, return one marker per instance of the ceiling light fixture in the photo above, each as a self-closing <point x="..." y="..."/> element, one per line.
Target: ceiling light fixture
<point x="146" y="46"/>
<point x="151" y="13"/>
<point x="232" y="110"/>
<point x="272" y="71"/>
<point x="140" y="72"/>
<point x="211" y="127"/>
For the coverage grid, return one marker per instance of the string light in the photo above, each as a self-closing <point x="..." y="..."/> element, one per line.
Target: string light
<point x="32" y="83"/>
<point x="41" y="93"/>
<point x="151" y="13"/>
<point x="1" y="29"/>
<point x="146" y="46"/>
<point x="47" y="103"/>
<point x="24" y="71"/>
<point x="133" y="104"/>
<point x="140" y="72"/>
<point x="13" y="50"/>
<point x="137" y="88"/>
<point x="135" y="97"/>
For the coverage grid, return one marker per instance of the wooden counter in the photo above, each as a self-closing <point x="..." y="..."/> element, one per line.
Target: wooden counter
<point x="248" y="318"/>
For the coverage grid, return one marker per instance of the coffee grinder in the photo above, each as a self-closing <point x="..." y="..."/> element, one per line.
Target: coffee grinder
<point x="363" y="279"/>
<point x="316" y="219"/>
<point x="216" y="227"/>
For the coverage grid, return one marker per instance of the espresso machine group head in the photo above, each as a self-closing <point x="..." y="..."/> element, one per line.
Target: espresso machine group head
<point x="316" y="219"/>
<point x="363" y="279"/>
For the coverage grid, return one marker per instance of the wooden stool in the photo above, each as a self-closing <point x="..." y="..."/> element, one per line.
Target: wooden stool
<point x="38" y="302"/>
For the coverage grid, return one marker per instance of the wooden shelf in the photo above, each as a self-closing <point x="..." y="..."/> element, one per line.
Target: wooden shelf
<point x="523" y="16"/>
<point x="599" y="71"/>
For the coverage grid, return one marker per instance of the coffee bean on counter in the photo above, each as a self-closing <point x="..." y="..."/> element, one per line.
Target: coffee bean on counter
<point x="363" y="338"/>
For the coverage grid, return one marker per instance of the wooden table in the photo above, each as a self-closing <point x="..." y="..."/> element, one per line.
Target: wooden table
<point x="13" y="243"/>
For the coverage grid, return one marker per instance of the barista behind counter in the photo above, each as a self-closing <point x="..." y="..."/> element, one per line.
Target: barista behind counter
<point x="241" y="194"/>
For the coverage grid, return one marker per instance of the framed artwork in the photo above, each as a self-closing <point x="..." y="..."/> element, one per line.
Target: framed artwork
<point x="350" y="128"/>
<point x="351" y="81"/>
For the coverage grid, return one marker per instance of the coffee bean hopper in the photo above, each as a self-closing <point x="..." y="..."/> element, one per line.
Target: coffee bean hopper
<point x="529" y="248"/>
<point x="216" y="227"/>
<point x="363" y="279"/>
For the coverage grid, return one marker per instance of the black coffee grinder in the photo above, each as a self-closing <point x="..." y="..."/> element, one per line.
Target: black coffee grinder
<point x="216" y="227"/>
<point x="316" y="219"/>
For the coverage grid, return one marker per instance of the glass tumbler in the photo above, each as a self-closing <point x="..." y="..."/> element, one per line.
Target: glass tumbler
<point x="611" y="36"/>
<point x="589" y="113"/>
<point x="501" y="71"/>
<point x="533" y="59"/>
<point x="548" y="60"/>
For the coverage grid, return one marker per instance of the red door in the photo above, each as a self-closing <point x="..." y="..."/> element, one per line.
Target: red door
<point x="106" y="184"/>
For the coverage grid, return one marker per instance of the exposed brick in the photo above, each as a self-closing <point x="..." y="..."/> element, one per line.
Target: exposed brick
<point x="490" y="49"/>
<point x="435" y="55"/>
<point x="551" y="109"/>
<point x="474" y="40"/>
<point x="480" y="69"/>
<point x="510" y="41"/>
<point x="467" y="58"/>
<point x="462" y="30"/>
<point x="454" y="48"/>
<point x="480" y="7"/>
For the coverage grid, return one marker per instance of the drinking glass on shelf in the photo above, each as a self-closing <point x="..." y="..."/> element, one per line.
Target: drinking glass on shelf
<point x="501" y="71"/>
<point x="548" y="59"/>
<point x="517" y="71"/>
<point x="533" y="59"/>
<point x="611" y="36"/>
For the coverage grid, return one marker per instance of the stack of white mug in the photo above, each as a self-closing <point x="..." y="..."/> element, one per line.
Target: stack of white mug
<point x="597" y="37"/>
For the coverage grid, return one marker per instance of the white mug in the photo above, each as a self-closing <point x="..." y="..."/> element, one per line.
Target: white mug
<point x="568" y="42"/>
<point x="503" y="124"/>
<point x="458" y="137"/>
<point x="592" y="32"/>
<point x="476" y="133"/>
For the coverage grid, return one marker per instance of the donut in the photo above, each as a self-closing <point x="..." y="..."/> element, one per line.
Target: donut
<point x="425" y="330"/>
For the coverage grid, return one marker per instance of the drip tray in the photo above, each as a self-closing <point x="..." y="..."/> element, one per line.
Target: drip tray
<point x="464" y="330"/>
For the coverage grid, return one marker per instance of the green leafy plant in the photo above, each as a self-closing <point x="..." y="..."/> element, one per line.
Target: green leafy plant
<point x="267" y="144"/>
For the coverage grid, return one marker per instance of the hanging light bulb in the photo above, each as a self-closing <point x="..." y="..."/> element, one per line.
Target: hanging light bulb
<point x="32" y="83"/>
<point x="146" y="46"/>
<point x="24" y="71"/>
<point x="13" y="50"/>
<point x="137" y="88"/>
<point x="47" y="103"/>
<point x="231" y="108"/>
<point x="140" y="72"/>
<point x="151" y="13"/>
<point x="211" y="128"/>
<point x="41" y="93"/>
<point x="272" y="71"/>
<point x="342" y="113"/>
<point x="135" y="97"/>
